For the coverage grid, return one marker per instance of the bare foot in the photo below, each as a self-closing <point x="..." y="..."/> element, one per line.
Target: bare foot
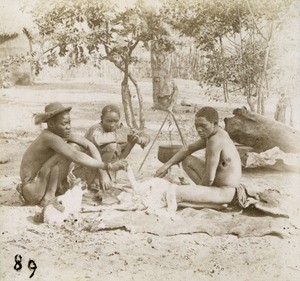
<point x="46" y="200"/>
<point x="95" y="185"/>
<point x="56" y="204"/>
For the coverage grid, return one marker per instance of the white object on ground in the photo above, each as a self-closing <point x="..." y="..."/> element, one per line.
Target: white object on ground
<point x="71" y="201"/>
<point x="271" y="157"/>
<point x="158" y="195"/>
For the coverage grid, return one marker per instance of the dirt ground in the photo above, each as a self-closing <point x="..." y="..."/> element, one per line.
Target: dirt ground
<point x="68" y="254"/>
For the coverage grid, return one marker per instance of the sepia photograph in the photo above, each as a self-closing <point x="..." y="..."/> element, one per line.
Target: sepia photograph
<point x="150" y="140"/>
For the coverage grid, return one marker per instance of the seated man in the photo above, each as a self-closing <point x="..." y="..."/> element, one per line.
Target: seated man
<point x="113" y="141"/>
<point x="46" y="162"/>
<point x="218" y="174"/>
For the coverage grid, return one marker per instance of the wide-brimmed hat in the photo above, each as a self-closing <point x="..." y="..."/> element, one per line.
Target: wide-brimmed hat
<point x="51" y="110"/>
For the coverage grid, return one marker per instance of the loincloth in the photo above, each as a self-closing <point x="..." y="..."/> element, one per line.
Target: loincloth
<point x="242" y="198"/>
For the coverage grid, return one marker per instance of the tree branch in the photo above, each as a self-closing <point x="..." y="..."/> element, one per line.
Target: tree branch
<point x="133" y="46"/>
<point x="51" y="49"/>
<point x="254" y="20"/>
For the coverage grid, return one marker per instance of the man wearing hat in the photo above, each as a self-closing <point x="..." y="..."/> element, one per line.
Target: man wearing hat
<point x="46" y="162"/>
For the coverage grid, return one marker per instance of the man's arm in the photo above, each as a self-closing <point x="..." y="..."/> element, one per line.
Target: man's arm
<point x="92" y="149"/>
<point x="86" y="144"/>
<point x="100" y="138"/>
<point x="61" y="147"/>
<point x="132" y="139"/>
<point x="213" y="152"/>
<point x="186" y="151"/>
<point x="180" y="155"/>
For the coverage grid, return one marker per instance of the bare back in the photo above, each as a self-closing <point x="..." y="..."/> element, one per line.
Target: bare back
<point x="228" y="171"/>
<point x="35" y="156"/>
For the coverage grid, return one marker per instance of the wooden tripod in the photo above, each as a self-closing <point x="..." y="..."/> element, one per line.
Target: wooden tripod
<point x="163" y="123"/>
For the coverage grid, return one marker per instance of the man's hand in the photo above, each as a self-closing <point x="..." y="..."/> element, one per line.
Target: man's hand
<point x="144" y="140"/>
<point x="118" y="165"/>
<point x="161" y="172"/>
<point x="133" y="137"/>
<point x="138" y="138"/>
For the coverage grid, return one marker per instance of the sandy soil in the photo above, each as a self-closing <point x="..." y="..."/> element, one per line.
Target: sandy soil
<point x="69" y="254"/>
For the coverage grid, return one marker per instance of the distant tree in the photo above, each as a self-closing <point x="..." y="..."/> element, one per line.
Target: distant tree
<point x="165" y="91"/>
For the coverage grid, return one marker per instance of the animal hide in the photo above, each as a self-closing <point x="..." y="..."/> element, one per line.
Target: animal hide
<point x="154" y="196"/>
<point x="159" y="195"/>
<point x="211" y="222"/>
<point x="70" y="202"/>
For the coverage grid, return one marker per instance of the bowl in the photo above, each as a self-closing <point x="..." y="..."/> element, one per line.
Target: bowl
<point x="166" y="152"/>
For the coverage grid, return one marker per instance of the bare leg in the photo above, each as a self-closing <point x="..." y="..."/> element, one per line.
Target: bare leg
<point x="84" y="173"/>
<point x="91" y="176"/>
<point x="195" y="168"/>
<point x="51" y="187"/>
<point x="47" y="181"/>
<point x="109" y="154"/>
<point x="203" y="195"/>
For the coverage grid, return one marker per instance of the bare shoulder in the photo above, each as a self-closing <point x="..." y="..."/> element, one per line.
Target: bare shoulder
<point x="75" y="137"/>
<point x="221" y="136"/>
<point x="47" y="135"/>
<point x="197" y="145"/>
<point x="217" y="138"/>
<point x="80" y="140"/>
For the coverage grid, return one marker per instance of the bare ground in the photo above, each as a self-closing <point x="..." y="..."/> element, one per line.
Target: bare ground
<point x="69" y="254"/>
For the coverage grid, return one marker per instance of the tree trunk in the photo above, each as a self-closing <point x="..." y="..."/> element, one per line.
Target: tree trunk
<point x="251" y="102"/>
<point x="260" y="132"/>
<point x="140" y="99"/>
<point x="291" y="119"/>
<point x="225" y="89"/>
<point x="280" y="111"/>
<point x="126" y="100"/>
<point x="165" y="91"/>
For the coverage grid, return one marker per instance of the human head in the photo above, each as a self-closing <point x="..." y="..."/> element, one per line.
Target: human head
<point x="51" y="109"/>
<point x="110" y="117"/>
<point x="206" y="120"/>
<point x="57" y="118"/>
<point x="60" y="124"/>
<point x="209" y="113"/>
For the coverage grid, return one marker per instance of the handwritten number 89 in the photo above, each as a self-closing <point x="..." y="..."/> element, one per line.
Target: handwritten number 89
<point x="31" y="264"/>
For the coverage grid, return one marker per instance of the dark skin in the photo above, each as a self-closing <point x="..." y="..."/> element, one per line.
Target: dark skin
<point x="222" y="161"/>
<point x="48" y="158"/>
<point x="111" y="122"/>
<point x="215" y="184"/>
